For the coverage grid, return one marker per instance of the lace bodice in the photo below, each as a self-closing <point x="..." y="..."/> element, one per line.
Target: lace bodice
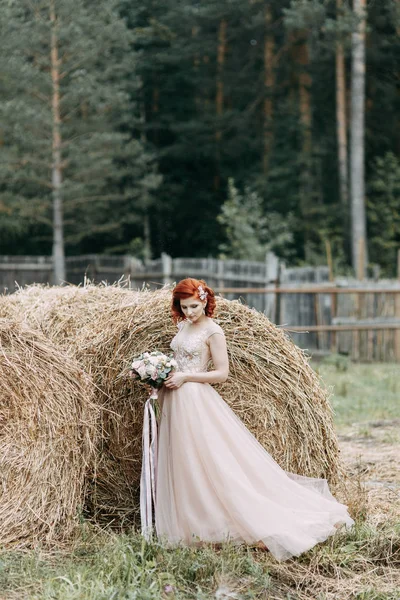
<point x="190" y="347"/>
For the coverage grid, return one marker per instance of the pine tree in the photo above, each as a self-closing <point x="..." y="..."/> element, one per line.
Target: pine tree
<point x="221" y="89"/>
<point x="384" y="212"/>
<point x="67" y="118"/>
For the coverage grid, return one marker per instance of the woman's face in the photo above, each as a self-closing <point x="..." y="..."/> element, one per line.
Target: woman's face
<point x="192" y="308"/>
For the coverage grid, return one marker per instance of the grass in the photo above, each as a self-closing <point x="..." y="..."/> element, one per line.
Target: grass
<point x="362" y="392"/>
<point x="125" y="567"/>
<point x="362" y="564"/>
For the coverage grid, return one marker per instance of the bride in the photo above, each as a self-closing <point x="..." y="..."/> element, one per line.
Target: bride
<point x="215" y="482"/>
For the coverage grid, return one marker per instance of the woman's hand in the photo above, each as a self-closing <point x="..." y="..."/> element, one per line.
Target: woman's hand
<point x="175" y="380"/>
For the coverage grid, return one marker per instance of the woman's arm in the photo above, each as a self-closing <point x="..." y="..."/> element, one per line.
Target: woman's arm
<point x="219" y="356"/>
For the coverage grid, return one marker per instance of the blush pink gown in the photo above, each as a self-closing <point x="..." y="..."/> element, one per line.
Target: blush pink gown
<point x="216" y="482"/>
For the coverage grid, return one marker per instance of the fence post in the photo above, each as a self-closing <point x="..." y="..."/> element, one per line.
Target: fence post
<point x="166" y="262"/>
<point x="334" y="337"/>
<point x="397" y="313"/>
<point x="132" y="265"/>
<point x="359" y="300"/>
<point x="271" y="276"/>
<point x="220" y="273"/>
<point x="127" y="268"/>
<point x="279" y="306"/>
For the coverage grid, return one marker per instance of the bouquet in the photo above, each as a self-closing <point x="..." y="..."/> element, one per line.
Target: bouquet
<point x="153" y="368"/>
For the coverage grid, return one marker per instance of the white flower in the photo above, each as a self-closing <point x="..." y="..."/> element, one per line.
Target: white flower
<point x="149" y="369"/>
<point x="142" y="371"/>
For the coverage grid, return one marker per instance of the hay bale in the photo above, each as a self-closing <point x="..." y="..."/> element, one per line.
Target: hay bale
<point x="47" y="437"/>
<point x="84" y="321"/>
<point x="271" y="386"/>
<point x="60" y="311"/>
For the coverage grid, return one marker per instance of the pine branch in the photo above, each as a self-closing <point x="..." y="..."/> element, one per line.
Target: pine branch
<point x="85" y="199"/>
<point x="31" y="179"/>
<point x="37" y="94"/>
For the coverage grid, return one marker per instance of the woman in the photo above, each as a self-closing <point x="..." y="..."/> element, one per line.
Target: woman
<point x="215" y="481"/>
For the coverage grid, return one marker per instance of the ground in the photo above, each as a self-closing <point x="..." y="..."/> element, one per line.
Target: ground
<point x="372" y="452"/>
<point x="363" y="564"/>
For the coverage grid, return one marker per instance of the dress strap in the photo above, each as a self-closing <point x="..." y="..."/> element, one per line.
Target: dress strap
<point x="213" y="329"/>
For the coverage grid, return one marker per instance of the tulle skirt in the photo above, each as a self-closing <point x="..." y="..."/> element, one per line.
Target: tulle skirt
<point x="215" y="482"/>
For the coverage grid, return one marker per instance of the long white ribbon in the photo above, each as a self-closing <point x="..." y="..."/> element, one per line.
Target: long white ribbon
<point x="148" y="477"/>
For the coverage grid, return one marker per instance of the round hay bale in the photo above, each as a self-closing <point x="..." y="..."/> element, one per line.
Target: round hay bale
<point x="47" y="437"/>
<point x="271" y="386"/>
<point x="70" y="316"/>
<point x="54" y="309"/>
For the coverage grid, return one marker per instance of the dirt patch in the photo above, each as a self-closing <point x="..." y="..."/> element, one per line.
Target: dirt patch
<point x="371" y="452"/>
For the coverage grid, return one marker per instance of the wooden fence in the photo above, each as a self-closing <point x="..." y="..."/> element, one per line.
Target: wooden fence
<point x="357" y="318"/>
<point x="354" y="310"/>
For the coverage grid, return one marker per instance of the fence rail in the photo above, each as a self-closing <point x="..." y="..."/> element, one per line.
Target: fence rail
<point x="354" y="327"/>
<point x="310" y="290"/>
<point x="358" y="318"/>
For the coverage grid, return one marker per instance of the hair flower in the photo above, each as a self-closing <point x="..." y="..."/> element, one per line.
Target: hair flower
<point x="202" y="293"/>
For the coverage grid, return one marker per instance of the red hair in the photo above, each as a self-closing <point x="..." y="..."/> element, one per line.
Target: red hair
<point x="187" y="288"/>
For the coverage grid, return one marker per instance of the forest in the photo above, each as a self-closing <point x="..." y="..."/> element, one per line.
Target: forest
<point x="221" y="128"/>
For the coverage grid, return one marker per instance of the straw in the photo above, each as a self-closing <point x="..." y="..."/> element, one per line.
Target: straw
<point x="47" y="438"/>
<point x="271" y="385"/>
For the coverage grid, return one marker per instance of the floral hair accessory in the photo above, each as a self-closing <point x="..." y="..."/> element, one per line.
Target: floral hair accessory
<point x="202" y="293"/>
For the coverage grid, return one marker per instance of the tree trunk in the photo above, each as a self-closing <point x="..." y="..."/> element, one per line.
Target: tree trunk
<point x="155" y="110"/>
<point x="58" y="225"/>
<point x="219" y="99"/>
<point x="147" y="250"/>
<point x="302" y="59"/>
<point x="269" y="82"/>
<point x="341" y="129"/>
<point x="304" y="92"/>
<point x="196" y="66"/>
<point x="358" y="225"/>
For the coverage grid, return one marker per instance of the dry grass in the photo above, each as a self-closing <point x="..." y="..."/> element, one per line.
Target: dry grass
<point x="374" y="461"/>
<point x="47" y="437"/>
<point x="271" y="385"/>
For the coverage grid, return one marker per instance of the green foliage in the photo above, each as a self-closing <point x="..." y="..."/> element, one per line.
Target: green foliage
<point x="139" y="108"/>
<point x="305" y="14"/>
<point x="340" y="362"/>
<point x="384" y="212"/>
<point x="250" y="231"/>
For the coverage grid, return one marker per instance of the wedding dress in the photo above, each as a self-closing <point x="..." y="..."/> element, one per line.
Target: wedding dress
<point x="214" y="479"/>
